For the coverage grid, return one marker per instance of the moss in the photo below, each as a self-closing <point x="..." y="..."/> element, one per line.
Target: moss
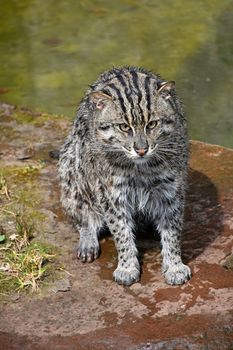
<point x="19" y="191"/>
<point x="22" y="117"/>
<point x="228" y="264"/>
<point x="16" y="173"/>
<point x="7" y="132"/>
<point x="27" y="116"/>
<point x="8" y="284"/>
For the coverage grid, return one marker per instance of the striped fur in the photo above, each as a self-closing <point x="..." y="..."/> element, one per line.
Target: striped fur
<point x="126" y="157"/>
<point x="134" y="88"/>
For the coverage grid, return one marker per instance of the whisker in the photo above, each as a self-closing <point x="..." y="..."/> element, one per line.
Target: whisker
<point x="168" y="150"/>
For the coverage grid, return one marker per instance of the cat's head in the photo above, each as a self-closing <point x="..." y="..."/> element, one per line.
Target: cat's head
<point x="127" y="127"/>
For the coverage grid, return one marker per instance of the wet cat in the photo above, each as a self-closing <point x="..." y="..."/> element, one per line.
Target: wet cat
<point x="126" y="156"/>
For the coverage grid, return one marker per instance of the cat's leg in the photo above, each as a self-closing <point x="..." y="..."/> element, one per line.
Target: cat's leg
<point x="170" y="227"/>
<point x="128" y="268"/>
<point x="175" y="272"/>
<point x="89" y="248"/>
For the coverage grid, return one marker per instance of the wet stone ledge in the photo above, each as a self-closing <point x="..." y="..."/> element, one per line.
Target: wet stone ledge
<point x="82" y="308"/>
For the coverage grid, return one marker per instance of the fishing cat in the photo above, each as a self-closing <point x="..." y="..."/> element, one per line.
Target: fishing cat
<point x="126" y="156"/>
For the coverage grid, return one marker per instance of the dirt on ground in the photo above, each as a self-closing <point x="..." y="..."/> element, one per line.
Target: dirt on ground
<point x="82" y="308"/>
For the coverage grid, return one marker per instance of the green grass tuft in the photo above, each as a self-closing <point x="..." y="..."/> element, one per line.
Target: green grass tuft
<point x="24" y="262"/>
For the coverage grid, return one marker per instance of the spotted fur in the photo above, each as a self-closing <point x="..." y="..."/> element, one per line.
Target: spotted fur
<point x="127" y="157"/>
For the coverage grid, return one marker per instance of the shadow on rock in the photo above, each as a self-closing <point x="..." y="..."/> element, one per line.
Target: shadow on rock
<point x="203" y="215"/>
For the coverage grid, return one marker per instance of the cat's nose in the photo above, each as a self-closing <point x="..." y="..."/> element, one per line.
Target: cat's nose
<point x="141" y="151"/>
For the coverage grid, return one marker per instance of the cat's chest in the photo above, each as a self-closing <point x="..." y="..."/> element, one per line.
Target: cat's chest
<point x="133" y="191"/>
<point x="138" y="192"/>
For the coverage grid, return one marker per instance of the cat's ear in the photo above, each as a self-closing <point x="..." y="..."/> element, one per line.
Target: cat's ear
<point x="100" y="99"/>
<point x="166" y="86"/>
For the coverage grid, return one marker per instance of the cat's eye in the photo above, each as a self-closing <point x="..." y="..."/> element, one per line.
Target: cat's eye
<point x="124" y="127"/>
<point x="152" y="124"/>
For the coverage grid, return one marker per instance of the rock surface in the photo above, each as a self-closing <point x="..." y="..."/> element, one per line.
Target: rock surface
<point x="86" y="309"/>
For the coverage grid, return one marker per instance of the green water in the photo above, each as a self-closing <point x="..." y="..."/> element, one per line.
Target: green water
<point x="50" y="51"/>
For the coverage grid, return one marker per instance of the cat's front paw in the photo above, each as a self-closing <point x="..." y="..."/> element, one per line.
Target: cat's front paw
<point x="126" y="276"/>
<point x="88" y="251"/>
<point x="177" y="274"/>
